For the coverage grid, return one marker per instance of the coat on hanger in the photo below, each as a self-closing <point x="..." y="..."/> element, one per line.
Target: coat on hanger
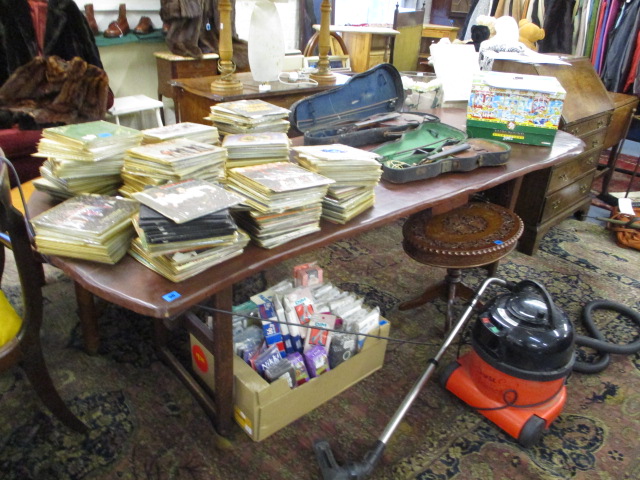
<point x="67" y="35"/>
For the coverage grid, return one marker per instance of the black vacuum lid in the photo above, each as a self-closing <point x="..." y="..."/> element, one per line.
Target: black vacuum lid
<point x="522" y="333"/>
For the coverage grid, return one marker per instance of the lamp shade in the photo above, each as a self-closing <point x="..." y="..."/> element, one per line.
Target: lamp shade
<point x="266" y="42"/>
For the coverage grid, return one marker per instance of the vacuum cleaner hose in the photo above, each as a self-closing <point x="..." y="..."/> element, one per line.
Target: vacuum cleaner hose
<point x="598" y="342"/>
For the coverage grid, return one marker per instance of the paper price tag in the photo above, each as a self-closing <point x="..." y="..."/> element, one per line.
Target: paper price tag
<point x="625" y="206"/>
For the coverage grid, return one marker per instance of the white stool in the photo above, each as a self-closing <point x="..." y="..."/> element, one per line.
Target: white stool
<point x="135" y="104"/>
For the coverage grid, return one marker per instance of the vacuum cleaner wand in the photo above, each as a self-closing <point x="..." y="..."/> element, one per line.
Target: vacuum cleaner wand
<point x="330" y="468"/>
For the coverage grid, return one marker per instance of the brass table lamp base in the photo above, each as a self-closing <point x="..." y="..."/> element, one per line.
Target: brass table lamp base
<point x="226" y="86"/>
<point x="324" y="78"/>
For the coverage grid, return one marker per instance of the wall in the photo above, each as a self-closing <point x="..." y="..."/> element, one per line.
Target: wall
<point x="132" y="67"/>
<point x="106" y="11"/>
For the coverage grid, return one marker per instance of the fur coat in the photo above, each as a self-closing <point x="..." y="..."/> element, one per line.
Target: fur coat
<point x="67" y="35"/>
<point x="50" y="91"/>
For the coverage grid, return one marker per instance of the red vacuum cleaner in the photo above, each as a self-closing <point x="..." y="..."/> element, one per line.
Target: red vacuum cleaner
<point x="523" y="351"/>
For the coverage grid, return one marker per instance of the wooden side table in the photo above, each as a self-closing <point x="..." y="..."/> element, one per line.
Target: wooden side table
<point x="171" y="66"/>
<point x="431" y="34"/>
<point x="193" y="97"/>
<point x="367" y="46"/>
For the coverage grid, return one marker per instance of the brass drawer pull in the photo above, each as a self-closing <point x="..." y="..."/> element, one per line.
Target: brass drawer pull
<point x="563" y="177"/>
<point x="555" y="205"/>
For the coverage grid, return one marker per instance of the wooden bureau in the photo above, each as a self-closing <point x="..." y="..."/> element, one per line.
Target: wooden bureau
<point x="550" y="195"/>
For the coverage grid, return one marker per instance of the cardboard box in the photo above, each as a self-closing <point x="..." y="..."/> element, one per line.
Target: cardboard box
<point x="263" y="408"/>
<point x="515" y="108"/>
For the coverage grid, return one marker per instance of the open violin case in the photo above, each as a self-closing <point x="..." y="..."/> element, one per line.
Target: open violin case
<point x="366" y="111"/>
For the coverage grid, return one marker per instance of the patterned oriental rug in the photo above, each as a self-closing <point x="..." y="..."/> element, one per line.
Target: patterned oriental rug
<point x="145" y="425"/>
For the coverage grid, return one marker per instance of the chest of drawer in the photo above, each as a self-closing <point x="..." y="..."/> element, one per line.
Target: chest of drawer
<point x="584" y="127"/>
<point x="566" y="197"/>
<point x="563" y="175"/>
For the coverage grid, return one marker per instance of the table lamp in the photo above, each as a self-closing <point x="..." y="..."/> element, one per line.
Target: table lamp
<point x="323" y="74"/>
<point x="227" y="83"/>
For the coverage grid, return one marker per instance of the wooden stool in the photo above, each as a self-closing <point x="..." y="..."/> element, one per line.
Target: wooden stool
<point x="474" y="235"/>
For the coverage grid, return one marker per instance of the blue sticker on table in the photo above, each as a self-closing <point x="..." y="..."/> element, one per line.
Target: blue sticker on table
<point x="498" y="242"/>
<point x="171" y="296"/>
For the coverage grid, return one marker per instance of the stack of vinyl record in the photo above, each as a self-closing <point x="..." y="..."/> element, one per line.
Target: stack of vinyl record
<point x="155" y="164"/>
<point x="244" y="149"/>
<point x="249" y="116"/>
<point x="356" y="173"/>
<point x="89" y="227"/>
<point x="189" y="130"/>
<point x="83" y="158"/>
<point x="284" y="201"/>
<point x="186" y="227"/>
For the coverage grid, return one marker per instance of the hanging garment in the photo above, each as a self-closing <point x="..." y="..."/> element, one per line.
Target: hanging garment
<point x="591" y="28"/>
<point x="598" y="31"/>
<point x="67" y="35"/>
<point x="582" y="20"/>
<point x="616" y="66"/>
<point x="634" y="71"/>
<point x="614" y="13"/>
<point x="558" y="27"/>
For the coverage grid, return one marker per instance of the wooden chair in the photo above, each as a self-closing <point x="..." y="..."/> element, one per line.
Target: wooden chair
<point x="337" y="45"/>
<point x="20" y="335"/>
<point x="405" y="47"/>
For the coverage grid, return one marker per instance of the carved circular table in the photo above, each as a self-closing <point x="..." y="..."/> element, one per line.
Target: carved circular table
<point x="474" y="235"/>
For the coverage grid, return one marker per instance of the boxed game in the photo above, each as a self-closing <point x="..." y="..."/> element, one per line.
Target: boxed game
<point x="515" y="108"/>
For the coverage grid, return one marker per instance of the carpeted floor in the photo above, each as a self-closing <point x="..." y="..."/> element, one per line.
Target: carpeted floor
<point x="145" y="425"/>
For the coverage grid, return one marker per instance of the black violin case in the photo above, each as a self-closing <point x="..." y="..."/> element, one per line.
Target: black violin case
<point x="364" y="110"/>
<point x="415" y="146"/>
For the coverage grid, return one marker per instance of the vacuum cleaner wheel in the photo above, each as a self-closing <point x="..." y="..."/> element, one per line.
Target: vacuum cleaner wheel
<point x="531" y="431"/>
<point x="446" y="373"/>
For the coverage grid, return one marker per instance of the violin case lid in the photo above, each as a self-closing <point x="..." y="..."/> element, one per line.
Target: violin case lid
<point x="323" y="116"/>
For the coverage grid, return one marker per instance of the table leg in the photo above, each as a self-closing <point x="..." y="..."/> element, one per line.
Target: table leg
<point x="220" y="342"/>
<point x="223" y="356"/>
<point x="88" y="319"/>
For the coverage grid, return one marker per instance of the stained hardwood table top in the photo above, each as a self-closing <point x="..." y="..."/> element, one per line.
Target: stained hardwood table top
<point x="135" y="287"/>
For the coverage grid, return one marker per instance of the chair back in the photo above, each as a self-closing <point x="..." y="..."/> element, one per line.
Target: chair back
<point x="405" y="47"/>
<point x="14" y="235"/>
<point x="25" y="350"/>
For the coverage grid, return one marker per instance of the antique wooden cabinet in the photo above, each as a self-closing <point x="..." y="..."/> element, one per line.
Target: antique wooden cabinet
<point x="548" y="196"/>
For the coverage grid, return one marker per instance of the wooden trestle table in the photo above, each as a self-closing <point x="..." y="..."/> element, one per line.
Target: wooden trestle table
<point x="139" y="289"/>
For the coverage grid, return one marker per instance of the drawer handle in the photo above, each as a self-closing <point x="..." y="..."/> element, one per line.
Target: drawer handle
<point x="584" y="189"/>
<point x="601" y="123"/>
<point x="590" y="161"/>
<point x="595" y="143"/>
<point x="555" y="205"/>
<point x="564" y="177"/>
